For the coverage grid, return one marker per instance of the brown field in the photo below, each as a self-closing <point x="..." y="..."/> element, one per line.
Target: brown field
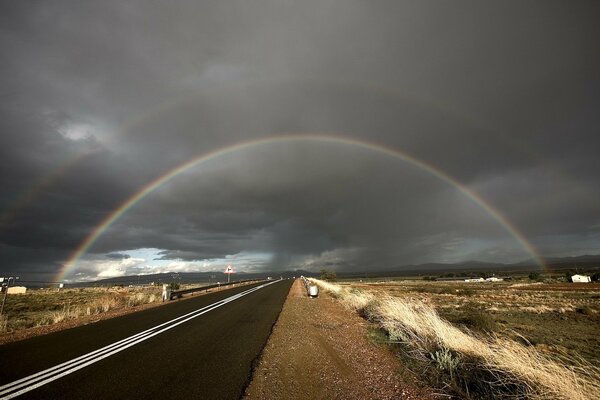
<point x="559" y="317"/>
<point x="487" y="340"/>
<point x="40" y="311"/>
<point x="35" y="311"/>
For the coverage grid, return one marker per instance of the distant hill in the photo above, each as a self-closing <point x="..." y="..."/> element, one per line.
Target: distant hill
<point x="556" y="264"/>
<point x="584" y="259"/>
<point x="189" y="277"/>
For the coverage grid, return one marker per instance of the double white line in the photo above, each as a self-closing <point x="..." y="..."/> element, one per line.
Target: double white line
<point x="41" y="378"/>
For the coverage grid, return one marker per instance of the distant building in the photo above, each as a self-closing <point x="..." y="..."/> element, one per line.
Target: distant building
<point x="581" y="279"/>
<point x="16" y="290"/>
<point x="474" y="280"/>
<point x="494" y="279"/>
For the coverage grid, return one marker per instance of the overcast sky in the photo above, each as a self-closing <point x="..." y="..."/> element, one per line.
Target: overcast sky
<point x="98" y="99"/>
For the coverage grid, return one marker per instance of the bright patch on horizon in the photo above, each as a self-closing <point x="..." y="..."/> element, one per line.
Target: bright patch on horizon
<point x="146" y="261"/>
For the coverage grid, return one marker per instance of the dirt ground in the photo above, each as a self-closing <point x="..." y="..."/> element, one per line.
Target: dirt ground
<point x="319" y="350"/>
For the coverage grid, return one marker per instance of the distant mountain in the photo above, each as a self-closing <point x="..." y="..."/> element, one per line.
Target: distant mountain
<point x="190" y="277"/>
<point x="554" y="263"/>
<point x="563" y="260"/>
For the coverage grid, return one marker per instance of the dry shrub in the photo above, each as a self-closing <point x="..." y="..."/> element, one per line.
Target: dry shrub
<point x="585" y="310"/>
<point x="136" y="299"/>
<point x="66" y="313"/>
<point x="515" y="366"/>
<point x="58" y="316"/>
<point x="3" y="323"/>
<point x="103" y="304"/>
<point x="141" y="298"/>
<point x="330" y="287"/>
<point x="479" y="321"/>
<point x="538" y="309"/>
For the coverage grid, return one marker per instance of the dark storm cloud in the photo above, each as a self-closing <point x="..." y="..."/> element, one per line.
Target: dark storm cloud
<point x="99" y="99"/>
<point x="118" y="256"/>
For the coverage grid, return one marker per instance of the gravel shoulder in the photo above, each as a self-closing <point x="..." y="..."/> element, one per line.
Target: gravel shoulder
<point x="320" y="350"/>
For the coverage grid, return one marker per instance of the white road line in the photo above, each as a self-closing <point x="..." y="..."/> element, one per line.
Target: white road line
<point x="48" y="375"/>
<point x="99" y="351"/>
<point x="79" y="360"/>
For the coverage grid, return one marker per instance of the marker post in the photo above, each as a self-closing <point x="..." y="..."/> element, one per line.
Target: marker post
<point x="229" y="270"/>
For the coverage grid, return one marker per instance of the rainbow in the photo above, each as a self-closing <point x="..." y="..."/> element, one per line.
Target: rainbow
<point x="110" y="219"/>
<point x="33" y="191"/>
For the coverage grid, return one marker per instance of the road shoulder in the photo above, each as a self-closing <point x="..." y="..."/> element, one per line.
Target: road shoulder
<point x="320" y="350"/>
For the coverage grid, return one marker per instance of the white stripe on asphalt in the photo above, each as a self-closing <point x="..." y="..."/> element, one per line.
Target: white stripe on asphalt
<point x="99" y="351"/>
<point x="48" y="375"/>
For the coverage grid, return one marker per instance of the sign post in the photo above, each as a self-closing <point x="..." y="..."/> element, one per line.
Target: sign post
<point x="229" y="270"/>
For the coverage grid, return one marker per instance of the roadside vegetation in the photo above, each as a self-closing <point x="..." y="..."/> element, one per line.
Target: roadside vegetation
<point x="40" y="311"/>
<point x="474" y="356"/>
<point x="43" y="307"/>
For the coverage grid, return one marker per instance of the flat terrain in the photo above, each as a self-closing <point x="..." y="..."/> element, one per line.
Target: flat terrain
<point x="320" y="350"/>
<point x="43" y="311"/>
<point x="209" y="356"/>
<point x="557" y="318"/>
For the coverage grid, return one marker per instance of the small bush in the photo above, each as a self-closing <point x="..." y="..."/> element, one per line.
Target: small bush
<point x="446" y="360"/>
<point x="479" y="322"/>
<point x="447" y="290"/>
<point x="585" y="311"/>
<point x="328" y="275"/>
<point x="534" y="276"/>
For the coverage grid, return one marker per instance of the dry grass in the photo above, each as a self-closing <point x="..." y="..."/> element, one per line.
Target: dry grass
<point x="524" y="369"/>
<point x="3" y="323"/>
<point x="45" y="307"/>
<point x="141" y="298"/>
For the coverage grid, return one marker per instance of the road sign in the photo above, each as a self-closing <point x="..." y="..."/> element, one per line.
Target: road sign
<point x="229" y="270"/>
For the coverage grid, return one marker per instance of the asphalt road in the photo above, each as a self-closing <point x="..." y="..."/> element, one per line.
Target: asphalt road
<point x="198" y="348"/>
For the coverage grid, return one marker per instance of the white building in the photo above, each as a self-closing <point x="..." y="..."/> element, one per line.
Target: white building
<point x="16" y="290"/>
<point x="494" y="279"/>
<point x="474" y="280"/>
<point x="581" y="279"/>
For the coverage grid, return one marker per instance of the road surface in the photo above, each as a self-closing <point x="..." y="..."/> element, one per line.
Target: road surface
<point x="200" y="348"/>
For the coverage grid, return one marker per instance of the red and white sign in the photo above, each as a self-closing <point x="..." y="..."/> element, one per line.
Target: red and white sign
<point x="229" y="270"/>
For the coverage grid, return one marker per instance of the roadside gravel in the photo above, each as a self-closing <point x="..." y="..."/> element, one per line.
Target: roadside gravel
<point x="319" y="350"/>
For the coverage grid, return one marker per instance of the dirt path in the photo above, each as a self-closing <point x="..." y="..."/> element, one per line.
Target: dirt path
<point x="319" y="350"/>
